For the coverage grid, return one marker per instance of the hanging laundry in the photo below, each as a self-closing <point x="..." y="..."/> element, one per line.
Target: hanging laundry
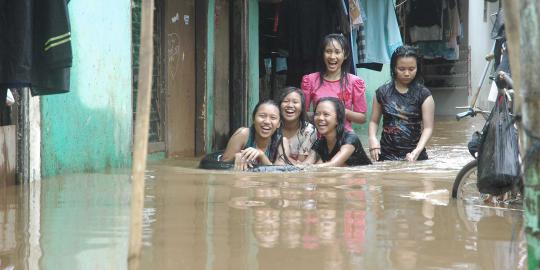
<point x="52" y="47"/>
<point x="435" y="28"/>
<point x="381" y="31"/>
<point x="454" y="24"/>
<point x="302" y="25"/>
<point x="425" y="20"/>
<point x="354" y="13"/>
<point x="358" y="44"/>
<point x="35" y="46"/>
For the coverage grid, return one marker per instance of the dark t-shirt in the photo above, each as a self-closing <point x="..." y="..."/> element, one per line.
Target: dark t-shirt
<point x="358" y="157"/>
<point x="402" y="120"/>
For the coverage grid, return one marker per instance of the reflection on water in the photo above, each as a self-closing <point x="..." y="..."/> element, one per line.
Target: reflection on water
<point x="393" y="215"/>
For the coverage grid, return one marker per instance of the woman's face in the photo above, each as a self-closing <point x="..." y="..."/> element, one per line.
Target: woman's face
<point x="325" y="118"/>
<point x="291" y="107"/>
<point x="266" y="120"/>
<point x="405" y="70"/>
<point x="333" y="56"/>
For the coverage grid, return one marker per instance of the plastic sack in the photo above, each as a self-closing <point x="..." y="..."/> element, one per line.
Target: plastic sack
<point x="474" y="143"/>
<point x="498" y="155"/>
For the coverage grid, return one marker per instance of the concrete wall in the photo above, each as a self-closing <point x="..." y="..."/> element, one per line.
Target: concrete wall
<point x="481" y="45"/>
<point x="90" y="128"/>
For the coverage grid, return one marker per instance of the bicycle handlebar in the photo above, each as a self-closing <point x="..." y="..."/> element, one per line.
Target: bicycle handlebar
<point x="469" y="112"/>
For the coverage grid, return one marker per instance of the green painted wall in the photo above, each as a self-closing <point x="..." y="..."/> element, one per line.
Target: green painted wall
<point x="253" y="36"/>
<point x="210" y="55"/>
<point x="90" y="128"/>
<point x="373" y="80"/>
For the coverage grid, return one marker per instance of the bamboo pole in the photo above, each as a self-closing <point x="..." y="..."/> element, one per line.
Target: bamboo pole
<point x="511" y="26"/>
<point x="140" y="143"/>
<point x="528" y="58"/>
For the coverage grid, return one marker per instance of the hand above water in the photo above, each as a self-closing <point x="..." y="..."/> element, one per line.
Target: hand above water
<point x="413" y="155"/>
<point x="374" y="149"/>
<point x="246" y="158"/>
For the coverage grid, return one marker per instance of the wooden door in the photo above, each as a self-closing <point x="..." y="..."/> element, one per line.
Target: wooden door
<point x="179" y="25"/>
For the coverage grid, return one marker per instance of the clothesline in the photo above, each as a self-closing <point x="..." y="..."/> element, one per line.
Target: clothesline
<point x="404" y="1"/>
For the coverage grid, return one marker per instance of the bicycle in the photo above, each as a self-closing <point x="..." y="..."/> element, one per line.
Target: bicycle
<point x="465" y="183"/>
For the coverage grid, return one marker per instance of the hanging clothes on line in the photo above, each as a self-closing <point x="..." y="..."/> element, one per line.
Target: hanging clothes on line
<point x="302" y="25"/>
<point x="382" y="34"/>
<point x="435" y="28"/>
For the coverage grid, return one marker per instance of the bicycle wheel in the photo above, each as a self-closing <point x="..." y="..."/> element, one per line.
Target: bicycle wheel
<point x="465" y="184"/>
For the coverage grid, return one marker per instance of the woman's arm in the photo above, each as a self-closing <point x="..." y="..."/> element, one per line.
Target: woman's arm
<point x="311" y="158"/>
<point x="374" y="145"/>
<point x="428" y="119"/>
<point x="283" y="152"/>
<point x="340" y="158"/>
<point x="358" y="114"/>
<point x="235" y="144"/>
<point x="355" y="117"/>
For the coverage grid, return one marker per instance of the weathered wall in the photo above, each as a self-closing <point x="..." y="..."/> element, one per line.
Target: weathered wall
<point x="481" y="45"/>
<point x="90" y="128"/>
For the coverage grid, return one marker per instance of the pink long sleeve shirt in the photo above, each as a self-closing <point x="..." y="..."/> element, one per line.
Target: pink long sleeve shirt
<point x="352" y="95"/>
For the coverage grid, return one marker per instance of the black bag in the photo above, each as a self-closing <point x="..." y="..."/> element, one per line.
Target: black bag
<point x="474" y="143"/>
<point x="498" y="155"/>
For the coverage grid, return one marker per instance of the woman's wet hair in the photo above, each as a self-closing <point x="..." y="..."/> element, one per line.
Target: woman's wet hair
<point x="407" y="51"/>
<point x="277" y="138"/>
<point x="262" y="102"/>
<point x="303" y="115"/>
<point x="340" y="114"/>
<point x="345" y="66"/>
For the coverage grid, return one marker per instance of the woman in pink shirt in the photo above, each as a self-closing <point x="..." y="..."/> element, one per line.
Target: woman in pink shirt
<point x="335" y="81"/>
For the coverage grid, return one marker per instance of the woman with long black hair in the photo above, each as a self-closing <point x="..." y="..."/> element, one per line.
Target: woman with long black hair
<point x="407" y="108"/>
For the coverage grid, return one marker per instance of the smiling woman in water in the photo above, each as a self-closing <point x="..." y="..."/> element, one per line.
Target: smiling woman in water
<point x="336" y="146"/>
<point x="334" y="80"/>
<point x="260" y="144"/>
<point x="299" y="132"/>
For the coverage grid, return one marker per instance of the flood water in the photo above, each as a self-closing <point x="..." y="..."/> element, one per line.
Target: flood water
<point x="392" y="215"/>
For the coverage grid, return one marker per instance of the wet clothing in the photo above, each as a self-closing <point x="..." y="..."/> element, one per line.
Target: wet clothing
<point x="352" y="94"/>
<point x="300" y="144"/>
<point x="357" y="158"/>
<point x="271" y="151"/>
<point x="402" y="120"/>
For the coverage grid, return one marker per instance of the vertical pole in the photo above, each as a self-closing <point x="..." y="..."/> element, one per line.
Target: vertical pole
<point x="140" y="143"/>
<point x="23" y="136"/>
<point x="529" y="13"/>
<point x="239" y="65"/>
<point x="512" y="20"/>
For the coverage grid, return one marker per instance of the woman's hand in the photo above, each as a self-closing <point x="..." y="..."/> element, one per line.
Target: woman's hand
<point x="374" y="149"/>
<point x="246" y="158"/>
<point x="413" y="155"/>
<point x="240" y="164"/>
<point x="251" y="154"/>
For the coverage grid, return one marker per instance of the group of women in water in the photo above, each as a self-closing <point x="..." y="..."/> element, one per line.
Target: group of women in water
<point x="283" y="133"/>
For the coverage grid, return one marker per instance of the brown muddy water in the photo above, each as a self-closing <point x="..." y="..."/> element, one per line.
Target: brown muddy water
<point x="392" y="215"/>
